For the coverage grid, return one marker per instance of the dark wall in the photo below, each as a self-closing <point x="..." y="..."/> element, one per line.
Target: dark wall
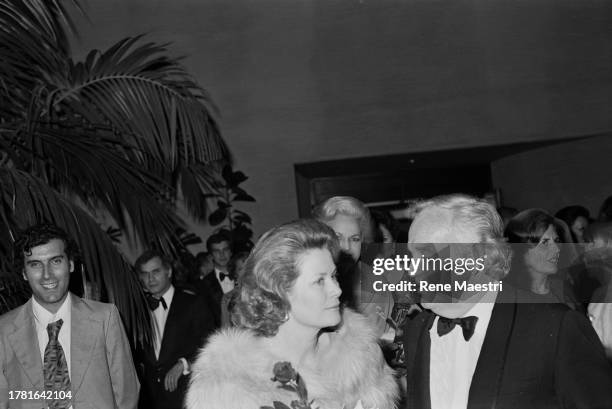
<point x="566" y="174"/>
<point x="302" y="81"/>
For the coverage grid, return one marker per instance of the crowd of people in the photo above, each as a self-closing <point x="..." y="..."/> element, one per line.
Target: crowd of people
<point x="296" y="321"/>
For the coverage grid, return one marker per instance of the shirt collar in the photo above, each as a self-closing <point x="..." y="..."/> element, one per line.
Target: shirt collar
<point x="44" y="317"/>
<point x="168" y="295"/>
<point x="218" y="271"/>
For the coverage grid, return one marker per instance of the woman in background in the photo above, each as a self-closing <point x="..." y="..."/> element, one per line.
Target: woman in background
<point x="351" y="221"/>
<point x="577" y="219"/>
<point x="289" y="311"/>
<point x="535" y="263"/>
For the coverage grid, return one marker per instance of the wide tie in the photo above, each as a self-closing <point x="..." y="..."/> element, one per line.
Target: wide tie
<point x="55" y="370"/>
<point x="468" y="325"/>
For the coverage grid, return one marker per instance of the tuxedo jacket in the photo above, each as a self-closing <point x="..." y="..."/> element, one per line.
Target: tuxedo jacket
<point x="533" y="356"/>
<point x="209" y="288"/>
<point x="102" y="373"/>
<point x="188" y="325"/>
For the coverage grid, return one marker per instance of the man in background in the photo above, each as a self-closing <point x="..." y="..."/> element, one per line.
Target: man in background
<point x="220" y="281"/>
<point x="182" y="322"/>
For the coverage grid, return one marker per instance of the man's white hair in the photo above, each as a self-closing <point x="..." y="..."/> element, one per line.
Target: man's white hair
<point x="468" y="211"/>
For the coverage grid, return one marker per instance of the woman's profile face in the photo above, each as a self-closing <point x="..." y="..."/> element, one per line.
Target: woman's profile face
<point x="544" y="257"/>
<point x="315" y="296"/>
<point x="578" y="228"/>
<point x="349" y="234"/>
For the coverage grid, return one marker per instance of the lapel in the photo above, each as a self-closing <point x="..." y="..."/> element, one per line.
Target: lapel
<point x="417" y="350"/>
<point x="214" y="284"/>
<point x="486" y="382"/>
<point x="24" y="342"/>
<point x="83" y="338"/>
<point x="171" y="330"/>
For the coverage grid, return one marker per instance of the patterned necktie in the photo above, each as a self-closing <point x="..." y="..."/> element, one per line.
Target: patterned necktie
<point x="55" y="369"/>
<point x="468" y="325"/>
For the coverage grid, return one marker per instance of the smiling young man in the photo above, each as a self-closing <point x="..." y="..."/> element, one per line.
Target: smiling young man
<point x="58" y="345"/>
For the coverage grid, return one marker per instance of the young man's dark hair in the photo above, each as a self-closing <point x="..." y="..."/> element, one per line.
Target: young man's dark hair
<point x="54" y="315"/>
<point x="218" y="237"/>
<point x="38" y="235"/>
<point x="149" y="255"/>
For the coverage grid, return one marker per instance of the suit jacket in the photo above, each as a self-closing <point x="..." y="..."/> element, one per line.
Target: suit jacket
<point x="533" y="355"/>
<point x="210" y="289"/>
<point x="188" y="325"/>
<point x="102" y="370"/>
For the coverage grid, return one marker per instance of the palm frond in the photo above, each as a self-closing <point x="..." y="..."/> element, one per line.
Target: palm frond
<point x="13" y="292"/>
<point x="147" y="97"/>
<point x="25" y="200"/>
<point x="34" y="41"/>
<point x="198" y="183"/>
<point x="94" y="168"/>
<point x="123" y="130"/>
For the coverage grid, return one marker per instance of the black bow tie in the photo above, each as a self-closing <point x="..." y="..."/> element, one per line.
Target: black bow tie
<point x="468" y="325"/>
<point x="223" y="276"/>
<point x="154" y="302"/>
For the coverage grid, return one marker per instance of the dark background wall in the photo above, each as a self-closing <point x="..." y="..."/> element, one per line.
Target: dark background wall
<point x="562" y="175"/>
<point x="302" y="81"/>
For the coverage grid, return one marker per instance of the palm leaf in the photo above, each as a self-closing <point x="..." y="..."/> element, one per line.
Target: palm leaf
<point x="95" y="169"/>
<point x="147" y="97"/>
<point x="196" y="183"/>
<point x="25" y="201"/>
<point x="124" y="130"/>
<point x="13" y="292"/>
<point x="33" y="41"/>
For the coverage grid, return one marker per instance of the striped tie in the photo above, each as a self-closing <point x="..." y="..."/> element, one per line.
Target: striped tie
<point x="55" y="369"/>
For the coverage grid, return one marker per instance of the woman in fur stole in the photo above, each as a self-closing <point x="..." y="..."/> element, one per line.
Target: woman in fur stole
<point x="289" y="311"/>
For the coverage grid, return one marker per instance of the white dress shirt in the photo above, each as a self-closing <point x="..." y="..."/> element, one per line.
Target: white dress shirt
<point x="453" y="359"/>
<point x="161" y="316"/>
<point x="227" y="285"/>
<point x="42" y="318"/>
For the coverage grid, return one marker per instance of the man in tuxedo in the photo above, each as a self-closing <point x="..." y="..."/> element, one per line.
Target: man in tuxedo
<point x="220" y="281"/>
<point x="58" y="345"/>
<point x="182" y="322"/>
<point x="494" y="348"/>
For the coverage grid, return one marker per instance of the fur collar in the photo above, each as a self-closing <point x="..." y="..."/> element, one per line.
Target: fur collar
<point x="234" y="371"/>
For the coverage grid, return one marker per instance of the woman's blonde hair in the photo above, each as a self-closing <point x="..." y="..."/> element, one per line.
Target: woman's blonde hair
<point x="347" y="206"/>
<point x="270" y="272"/>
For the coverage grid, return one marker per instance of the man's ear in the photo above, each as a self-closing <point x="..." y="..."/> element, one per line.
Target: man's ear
<point x="71" y="266"/>
<point x="170" y="272"/>
<point x="25" y="277"/>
